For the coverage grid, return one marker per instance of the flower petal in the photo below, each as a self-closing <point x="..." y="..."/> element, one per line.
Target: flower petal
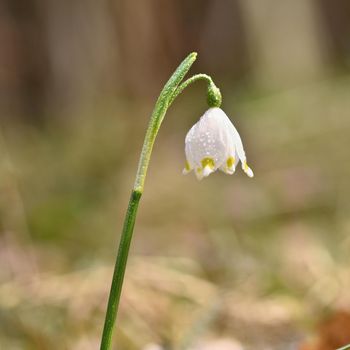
<point x="247" y="170"/>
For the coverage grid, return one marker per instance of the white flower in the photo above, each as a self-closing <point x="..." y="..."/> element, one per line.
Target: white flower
<point x="214" y="143"/>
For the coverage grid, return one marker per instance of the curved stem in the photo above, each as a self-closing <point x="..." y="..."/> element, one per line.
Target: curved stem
<point x="164" y="101"/>
<point x="190" y="81"/>
<point x="162" y="104"/>
<point x="170" y="91"/>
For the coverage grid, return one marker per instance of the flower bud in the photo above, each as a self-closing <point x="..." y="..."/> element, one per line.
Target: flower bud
<point x="213" y="95"/>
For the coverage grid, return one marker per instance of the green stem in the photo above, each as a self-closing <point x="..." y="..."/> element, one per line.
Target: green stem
<point x="170" y="91"/>
<point x="190" y="81"/>
<point x="119" y="270"/>
<point x="213" y="94"/>
<point x="163" y="103"/>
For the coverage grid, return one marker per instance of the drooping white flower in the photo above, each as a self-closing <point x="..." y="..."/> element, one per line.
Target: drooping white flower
<point x="214" y="143"/>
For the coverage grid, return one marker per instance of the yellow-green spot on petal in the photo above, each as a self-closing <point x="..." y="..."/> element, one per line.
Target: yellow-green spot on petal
<point x="199" y="170"/>
<point x="230" y="162"/>
<point x="245" y="166"/>
<point x="208" y="162"/>
<point x="187" y="166"/>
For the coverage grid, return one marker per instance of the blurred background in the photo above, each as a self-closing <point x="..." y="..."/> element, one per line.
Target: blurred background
<point x="226" y="263"/>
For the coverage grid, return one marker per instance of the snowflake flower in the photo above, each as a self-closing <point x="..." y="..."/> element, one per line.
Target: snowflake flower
<point x="214" y="143"/>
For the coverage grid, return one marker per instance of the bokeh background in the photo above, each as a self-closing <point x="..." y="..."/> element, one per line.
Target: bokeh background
<point x="226" y="263"/>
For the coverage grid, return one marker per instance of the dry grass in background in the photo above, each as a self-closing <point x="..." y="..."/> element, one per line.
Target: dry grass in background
<point x="228" y="262"/>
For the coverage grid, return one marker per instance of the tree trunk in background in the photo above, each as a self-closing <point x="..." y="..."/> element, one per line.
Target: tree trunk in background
<point x="153" y="37"/>
<point x="23" y="59"/>
<point x="284" y="40"/>
<point x="337" y="24"/>
<point x="223" y="43"/>
<point x="83" y="53"/>
<point x="57" y="57"/>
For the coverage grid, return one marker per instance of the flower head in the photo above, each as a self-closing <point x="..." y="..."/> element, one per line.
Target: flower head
<point x="214" y="143"/>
